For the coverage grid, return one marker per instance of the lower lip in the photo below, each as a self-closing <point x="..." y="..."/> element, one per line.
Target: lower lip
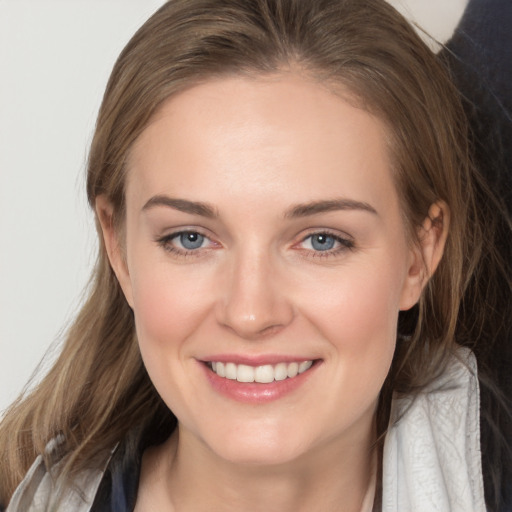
<point x="255" y="392"/>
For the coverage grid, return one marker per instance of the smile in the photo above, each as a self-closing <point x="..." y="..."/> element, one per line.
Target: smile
<point x="263" y="374"/>
<point x="259" y="381"/>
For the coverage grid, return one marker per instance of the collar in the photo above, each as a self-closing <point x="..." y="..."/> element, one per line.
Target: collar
<point x="432" y="458"/>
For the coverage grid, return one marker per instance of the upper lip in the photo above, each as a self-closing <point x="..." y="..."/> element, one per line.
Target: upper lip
<point x="259" y="360"/>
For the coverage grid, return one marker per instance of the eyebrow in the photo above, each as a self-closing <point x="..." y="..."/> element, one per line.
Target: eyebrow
<point x="182" y="205"/>
<point x="297" y="211"/>
<point x="315" y="207"/>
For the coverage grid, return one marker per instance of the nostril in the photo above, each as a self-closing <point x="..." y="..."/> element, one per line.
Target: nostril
<point x="253" y="331"/>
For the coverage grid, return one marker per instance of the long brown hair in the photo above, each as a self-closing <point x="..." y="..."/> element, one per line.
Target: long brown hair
<point x="98" y="388"/>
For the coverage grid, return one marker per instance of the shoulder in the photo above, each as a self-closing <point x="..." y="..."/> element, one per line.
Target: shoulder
<point x="41" y="489"/>
<point x="432" y="458"/>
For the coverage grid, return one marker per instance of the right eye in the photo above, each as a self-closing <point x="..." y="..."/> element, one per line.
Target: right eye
<point x="325" y="244"/>
<point x="184" y="242"/>
<point x="189" y="240"/>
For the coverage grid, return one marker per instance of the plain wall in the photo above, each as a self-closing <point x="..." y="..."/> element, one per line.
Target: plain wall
<point x="55" y="58"/>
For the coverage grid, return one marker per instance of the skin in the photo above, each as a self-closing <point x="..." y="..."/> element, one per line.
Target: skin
<point x="253" y="149"/>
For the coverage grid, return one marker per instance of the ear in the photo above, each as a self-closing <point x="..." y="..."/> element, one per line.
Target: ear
<point x="114" y="246"/>
<point x="426" y="254"/>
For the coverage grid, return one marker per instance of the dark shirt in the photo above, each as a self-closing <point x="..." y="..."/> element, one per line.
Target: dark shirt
<point x="118" y="489"/>
<point x="479" y="57"/>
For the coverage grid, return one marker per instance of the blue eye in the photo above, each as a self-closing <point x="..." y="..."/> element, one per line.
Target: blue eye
<point x="190" y="240"/>
<point x="322" y="242"/>
<point x="326" y="244"/>
<point x="186" y="243"/>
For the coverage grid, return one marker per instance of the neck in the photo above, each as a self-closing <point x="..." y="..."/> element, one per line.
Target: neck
<point x="335" y="476"/>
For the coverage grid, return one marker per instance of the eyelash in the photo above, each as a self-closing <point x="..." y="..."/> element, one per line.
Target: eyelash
<point x="344" y="244"/>
<point x="166" y="243"/>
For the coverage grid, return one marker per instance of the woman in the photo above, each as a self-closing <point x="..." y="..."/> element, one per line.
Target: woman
<point x="287" y="226"/>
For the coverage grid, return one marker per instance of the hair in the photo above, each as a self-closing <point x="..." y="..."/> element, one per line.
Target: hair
<point x="98" y="387"/>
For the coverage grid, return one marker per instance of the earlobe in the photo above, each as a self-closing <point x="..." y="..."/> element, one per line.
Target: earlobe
<point x="427" y="253"/>
<point x="113" y="245"/>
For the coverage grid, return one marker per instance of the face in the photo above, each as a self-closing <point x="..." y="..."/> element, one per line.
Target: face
<point x="266" y="262"/>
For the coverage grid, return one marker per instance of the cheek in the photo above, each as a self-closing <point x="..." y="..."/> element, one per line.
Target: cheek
<point x="358" y="315"/>
<point x="360" y="322"/>
<point x="360" y="304"/>
<point x="167" y="308"/>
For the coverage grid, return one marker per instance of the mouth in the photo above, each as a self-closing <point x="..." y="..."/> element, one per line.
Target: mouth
<point x="257" y="380"/>
<point x="263" y="374"/>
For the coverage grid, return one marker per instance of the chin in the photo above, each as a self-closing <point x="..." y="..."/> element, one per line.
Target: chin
<point x="260" y="454"/>
<point x="257" y="446"/>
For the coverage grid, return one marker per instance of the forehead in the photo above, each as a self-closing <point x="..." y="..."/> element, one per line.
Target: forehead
<point x="259" y="137"/>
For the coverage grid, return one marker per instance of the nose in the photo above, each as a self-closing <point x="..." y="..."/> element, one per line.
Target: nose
<point x="253" y="302"/>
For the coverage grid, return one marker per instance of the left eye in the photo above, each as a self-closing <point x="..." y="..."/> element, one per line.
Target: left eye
<point x="322" y="242"/>
<point x="189" y="240"/>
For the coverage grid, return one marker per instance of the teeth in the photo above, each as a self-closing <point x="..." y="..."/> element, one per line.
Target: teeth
<point x="263" y="374"/>
<point x="220" y="369"/>
<point x="293" y="369"/>
<point x="245" y="373"/>
<point x="230" y="371"/>
<point x="305" y="365"/>
<point x="281" y="371"/>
